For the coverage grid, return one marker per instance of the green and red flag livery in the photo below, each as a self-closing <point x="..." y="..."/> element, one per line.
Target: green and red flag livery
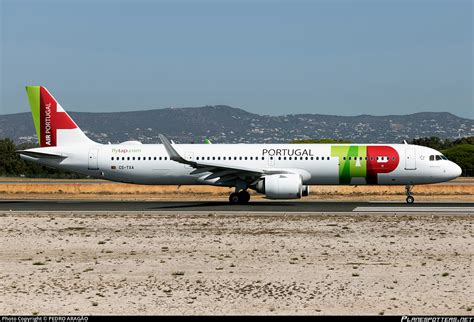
<point x="364" y="162"/>
<point x="48" y="116"/>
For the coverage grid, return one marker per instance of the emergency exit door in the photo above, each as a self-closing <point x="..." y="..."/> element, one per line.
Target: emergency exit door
<point x="410" y="159"/>
<point x="93" y="159"/>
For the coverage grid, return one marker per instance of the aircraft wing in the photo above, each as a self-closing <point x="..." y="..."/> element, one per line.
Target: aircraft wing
<point x="224" y="173"/>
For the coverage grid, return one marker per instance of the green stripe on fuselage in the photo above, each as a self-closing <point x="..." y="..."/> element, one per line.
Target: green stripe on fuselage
<point x="352" y="166"/>
<point x="34" y="98"/>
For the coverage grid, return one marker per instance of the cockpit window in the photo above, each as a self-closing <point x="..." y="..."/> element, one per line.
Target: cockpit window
<point x="437" y="157"/>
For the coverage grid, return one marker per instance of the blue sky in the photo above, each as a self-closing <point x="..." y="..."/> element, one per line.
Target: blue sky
<point x="267" y="57"/>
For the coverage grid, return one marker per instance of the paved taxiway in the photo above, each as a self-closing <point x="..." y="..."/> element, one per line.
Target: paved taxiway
<point x="220" y="206"/>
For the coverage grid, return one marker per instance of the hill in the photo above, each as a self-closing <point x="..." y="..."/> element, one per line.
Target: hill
<point x="224" y="124"/>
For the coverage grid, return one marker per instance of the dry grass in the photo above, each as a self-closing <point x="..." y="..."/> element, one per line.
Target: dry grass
<point x="99" y="189"/>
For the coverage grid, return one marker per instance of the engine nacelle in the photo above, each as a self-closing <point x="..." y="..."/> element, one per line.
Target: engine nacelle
<point x="281" y="186"/>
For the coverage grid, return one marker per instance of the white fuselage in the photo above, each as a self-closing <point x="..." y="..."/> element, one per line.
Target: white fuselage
<point x="318" y="164"/>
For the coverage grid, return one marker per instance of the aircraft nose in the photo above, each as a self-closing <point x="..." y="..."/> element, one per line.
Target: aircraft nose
<point x="457" y="170"/>
<point x="454" y="170"/>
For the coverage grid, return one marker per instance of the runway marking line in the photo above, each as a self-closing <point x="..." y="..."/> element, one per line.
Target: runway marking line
<point x="356" y="211"/>
<point x="414" y="209"/>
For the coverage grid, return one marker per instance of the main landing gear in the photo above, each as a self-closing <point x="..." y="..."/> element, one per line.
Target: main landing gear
<point x="410" y="198"/>
<point x="240" y="197"/>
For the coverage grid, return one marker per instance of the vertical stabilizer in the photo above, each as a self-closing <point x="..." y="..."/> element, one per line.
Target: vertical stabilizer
<point x="54" y="127"/>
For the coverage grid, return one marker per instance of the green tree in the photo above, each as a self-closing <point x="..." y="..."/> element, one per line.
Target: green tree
<point x="462" y="155"/>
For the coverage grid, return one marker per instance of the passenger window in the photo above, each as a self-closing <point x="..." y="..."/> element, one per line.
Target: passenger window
<point x="138" y="158"/>
<point x="317" y="158"/>
<point x="251" y="158"/>
<point x="289" y="158"/>
<point x="112" y="159"/>
<point x="264" y="158"/>
<point x="154" y="158"/>
<point x="344" y="158"/>
<point x="223" y="158"/>
<point x="279" y="158"/>
<point x="306" y="158"/>
<point x="123" y="158"/>
<point x="218" y="158"/>
<point x="256" y="158"/>
<point x="197" y="158"/>
<point x="312" y="158"/>
<point x="240" y="158"/>
<point x="128" y="158"/>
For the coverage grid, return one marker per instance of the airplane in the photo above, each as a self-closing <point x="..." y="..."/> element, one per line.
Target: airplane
<point x="279" y="171"/>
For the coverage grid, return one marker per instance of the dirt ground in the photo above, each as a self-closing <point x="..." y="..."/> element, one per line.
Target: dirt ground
<point x="76" y="263"/>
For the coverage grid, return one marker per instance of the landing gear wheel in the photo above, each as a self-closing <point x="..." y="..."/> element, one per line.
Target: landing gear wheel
<point x="410" y="199"/>
<point x="244" y="196"/>
<point x="234" y="198"/>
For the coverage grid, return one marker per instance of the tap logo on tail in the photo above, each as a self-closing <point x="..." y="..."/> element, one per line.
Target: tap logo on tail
<point x="48" y="116"/>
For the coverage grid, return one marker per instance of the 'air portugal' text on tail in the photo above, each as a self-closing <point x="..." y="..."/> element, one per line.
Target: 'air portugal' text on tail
<point x="54" y="126"/>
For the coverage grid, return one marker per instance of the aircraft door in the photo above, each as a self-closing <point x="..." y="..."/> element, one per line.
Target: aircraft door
<point x="410" y="159"/>
<point x="93" y="159"/>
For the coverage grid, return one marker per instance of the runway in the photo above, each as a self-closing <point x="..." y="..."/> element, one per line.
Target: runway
<point x="219" y="206"/>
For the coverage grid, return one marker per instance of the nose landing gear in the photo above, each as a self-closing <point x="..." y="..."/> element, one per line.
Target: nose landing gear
<point x="410" y="199"/>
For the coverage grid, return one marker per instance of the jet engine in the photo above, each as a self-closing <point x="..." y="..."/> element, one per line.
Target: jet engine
<point x="281" y="186"/>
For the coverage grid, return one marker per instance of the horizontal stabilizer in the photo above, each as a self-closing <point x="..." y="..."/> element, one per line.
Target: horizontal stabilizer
<point x="41" y="155"/>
